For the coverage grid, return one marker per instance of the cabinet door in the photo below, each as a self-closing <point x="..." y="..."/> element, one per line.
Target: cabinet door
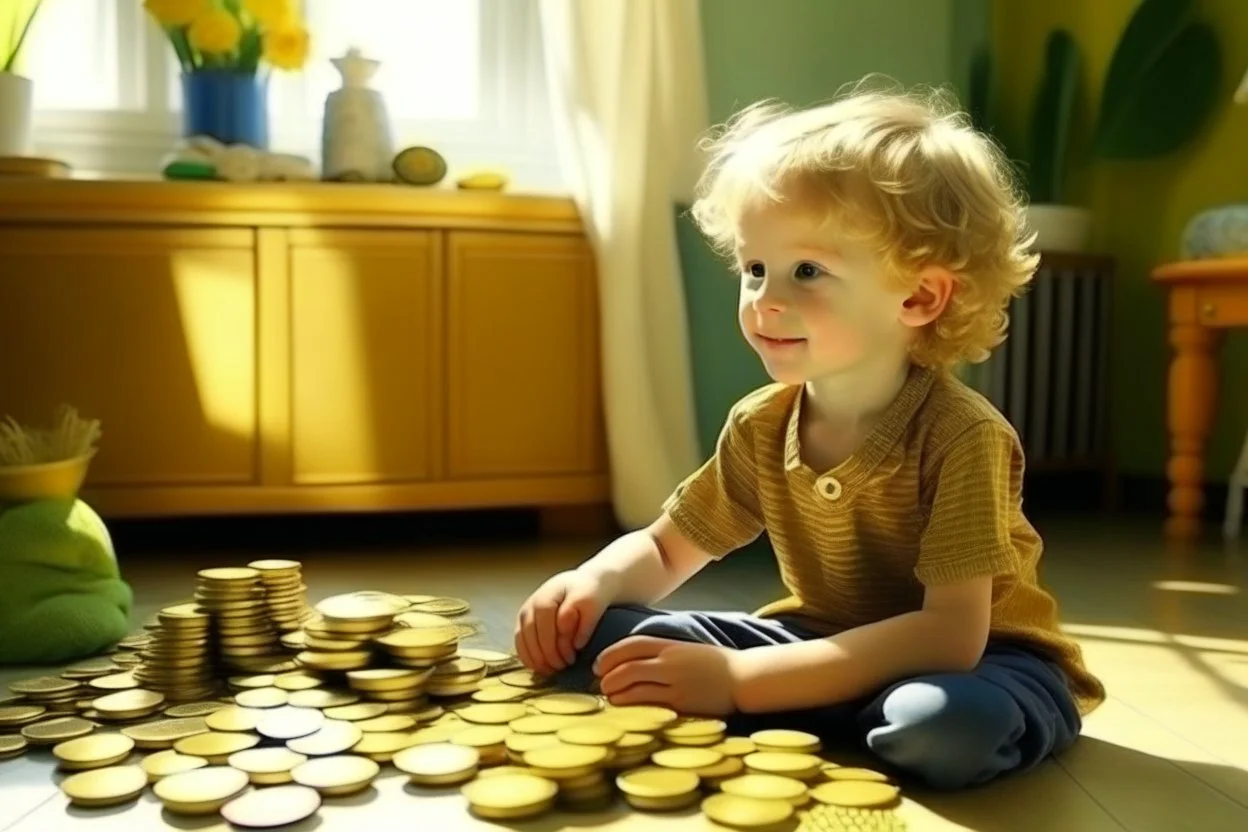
<point x="522" y="356"/>
<point x="150" y="331"/>
<point x="364" y="355"/>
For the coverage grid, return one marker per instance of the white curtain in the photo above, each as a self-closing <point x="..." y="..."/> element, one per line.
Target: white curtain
<point x="628" y="95"/>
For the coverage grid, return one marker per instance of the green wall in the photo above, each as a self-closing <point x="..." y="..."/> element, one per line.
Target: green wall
<point x="800" y="51"/>
<point x="1140" y="210"/>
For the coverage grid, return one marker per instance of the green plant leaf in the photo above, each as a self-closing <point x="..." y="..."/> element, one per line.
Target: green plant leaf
<point x="1052" y="118"/>
<point x="1153" y="26"/>
<point x="21" y="14"/>
<point x="249" y="50"/>
<point x="1168" y="102"/>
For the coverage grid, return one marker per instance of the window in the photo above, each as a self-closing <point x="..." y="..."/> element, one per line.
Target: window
<point x="465" y="77"/>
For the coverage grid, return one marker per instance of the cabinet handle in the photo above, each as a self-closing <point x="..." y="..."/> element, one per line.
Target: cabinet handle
<point x="1209" y="310"/>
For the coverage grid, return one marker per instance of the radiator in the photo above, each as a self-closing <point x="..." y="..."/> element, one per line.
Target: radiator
<point x="1050" y="376"/>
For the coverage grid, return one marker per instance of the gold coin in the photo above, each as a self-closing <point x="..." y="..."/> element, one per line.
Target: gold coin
<point x="767" y="787"/>
<point x="43" y="686"/>
<point x="201" y="791"/>
<point x="289" y="722"/>
<point x="347" y="660"/>
<point x="419" y="599"/>
<point x="542" y="723"/>
<point x="357" y="712"/>
<point x="510" y="797"/>
<point x="746" y="812"/>
<point x="735" y="747"/>
<point x="493" y="714"/>
<point x="235" y="718"/>
<point x="855" y="793"/>
<point x="381" y="747"/>
<point x="777" y="739"/>
<point x="262" y="698"/>
<point x="520" y="743"/>
<point x="114" y="681"/>
<point x="333" y="645"/>
<point x="482" y="736"/>
<point x="267" y="808"/>
<point x="655" y="782"/>
<point x="11" y="746"/>
<point x="852" y="773"/>
<point x="424" y="620"/>
<point x="105" y="786"/>
<point x="567" y="703"/>
<point x="356" y="606"/>
<point x="230" y="575"/>
<point x="93" y="751"/>
<point x="334" y="737"/>
<point x="129" y="702"/>
<point x="165" y="763"/>
<point x="725" y="769"/>
<point x="521" y="679"/>
<point x="337" y="776"/>
<point x="387" y="723"/>
<point x="14" y="715"/>
<point x="90" y="668"/>
<point x="298" y="680"/>
<point x="264" y="680"/>
<point x="437" y="733"/>
<point x="321" y="698"/>
<point x="695" y="728"/>
<point x="490" y="657"/>
<point x="405" y="695"/>
<point x="56" y="730"/>
<point x="438" y="763"/>
<point x="640" y="718"/>
<point x="442" y="606"/>
<point x="296" y="640"/>
<point x="591" y="733"/>
<point x="787" y="764"/>
<point x="216" y="746"/>
<point x="267" y="766"/>
<point x="499" y="693"/>
<point x="384" y="679"/>
<point x="459" y="669"/>
<point x="432" y="639"/>
<point x="268" y="567"/>
<point x="635" y="741"/>
<point x="692" y="759"/>
<point x="566" y="760"/>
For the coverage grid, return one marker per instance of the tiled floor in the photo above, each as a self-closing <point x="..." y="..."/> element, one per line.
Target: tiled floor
<point x="1167" y="630"/>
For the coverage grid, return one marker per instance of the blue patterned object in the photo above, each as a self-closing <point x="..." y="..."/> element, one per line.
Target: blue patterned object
<point x="1217" y="232"/>
<point x="232" y="107"/>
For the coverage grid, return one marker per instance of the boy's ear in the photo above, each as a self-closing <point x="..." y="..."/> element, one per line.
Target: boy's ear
<point x="929" y="299"/>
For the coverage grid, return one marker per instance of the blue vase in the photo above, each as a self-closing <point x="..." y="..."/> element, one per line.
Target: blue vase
<point x="232" y="107"/>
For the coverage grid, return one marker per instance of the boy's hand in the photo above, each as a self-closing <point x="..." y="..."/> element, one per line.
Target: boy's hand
<point x="688" y="678"/>
<point x="558" y="619"/>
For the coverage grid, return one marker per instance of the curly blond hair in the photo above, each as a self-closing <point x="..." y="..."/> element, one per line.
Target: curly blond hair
<point x="903" y="172"/>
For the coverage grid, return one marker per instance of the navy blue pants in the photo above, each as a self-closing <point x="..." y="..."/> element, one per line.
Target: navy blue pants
<point x="949" y="730"/>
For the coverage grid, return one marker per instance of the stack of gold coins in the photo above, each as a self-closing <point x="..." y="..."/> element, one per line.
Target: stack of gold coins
<point x="12" y="746"/>
<point x="177" y="659"/>
<point x="488" y="740"/>
<point x="654" y="789"/>
<point x="127" y="706"/>
<point x="457" y="677"/>
<point x="438" y="764"/>
<point x="402" y="690"/>
<point x="423" y="647"/>
<point x="247" y="637"/>
<point x="804" y="767"/>
<point x="695" y="732"/>
<point x="57" y="696"/>
<point x="284" y="592"/>
<point x="339" y="637"/>
<point x="163" y="733"/>
<point x="57" y="729"/>
<point x="15" y="717"/>
<point x="768" y="787"/>
<point x="93" y="751"/>
<point x="510" y="796"/>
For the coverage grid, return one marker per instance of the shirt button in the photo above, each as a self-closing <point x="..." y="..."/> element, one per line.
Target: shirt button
<point x="829" y="488"/>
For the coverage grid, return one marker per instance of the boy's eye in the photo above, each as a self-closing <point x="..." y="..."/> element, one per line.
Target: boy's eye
<point x="807" y="271"/>
<point x="757" y="270"/>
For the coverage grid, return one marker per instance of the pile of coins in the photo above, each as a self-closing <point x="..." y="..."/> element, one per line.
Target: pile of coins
<point x="369" y="680"/>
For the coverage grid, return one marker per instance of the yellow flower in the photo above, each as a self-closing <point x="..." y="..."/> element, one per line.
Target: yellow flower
<point x="270" y="13"/>
<point x="286" y="47"/>
<point x="175" y="12"/>
<point x="214" y="32"/>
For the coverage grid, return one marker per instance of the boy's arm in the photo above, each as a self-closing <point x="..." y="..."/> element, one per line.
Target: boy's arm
<point x="967" y="541"/>
<point x="947" y="635"/>
<point x="647" y="565"/>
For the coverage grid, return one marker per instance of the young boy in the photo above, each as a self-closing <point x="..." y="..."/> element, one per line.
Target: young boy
<point x="879" y="240"/>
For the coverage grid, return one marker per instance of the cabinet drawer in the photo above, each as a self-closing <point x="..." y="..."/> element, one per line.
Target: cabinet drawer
<point x="1223" y="305"/>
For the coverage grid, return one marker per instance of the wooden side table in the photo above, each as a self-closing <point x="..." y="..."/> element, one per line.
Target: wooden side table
<point x="1205" y="298"/>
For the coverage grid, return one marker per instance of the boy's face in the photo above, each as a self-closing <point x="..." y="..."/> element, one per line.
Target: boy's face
<point x="813" y="302"/>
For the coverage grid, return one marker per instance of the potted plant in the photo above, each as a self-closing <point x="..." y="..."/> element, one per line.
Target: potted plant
<point x="16" y="91"/>
<point x="225" y="49"/>
<point x="1160" y="88"/>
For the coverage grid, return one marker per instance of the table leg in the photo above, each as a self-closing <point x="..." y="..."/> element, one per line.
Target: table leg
<point x="1192" y="394"/>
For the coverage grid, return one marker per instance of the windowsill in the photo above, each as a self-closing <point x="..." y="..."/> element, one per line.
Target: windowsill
<point x="301" y="204"/>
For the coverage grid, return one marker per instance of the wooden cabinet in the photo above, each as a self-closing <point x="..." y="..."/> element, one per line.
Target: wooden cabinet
<point x="522" y="357"/>
<point x="288" y="348"/>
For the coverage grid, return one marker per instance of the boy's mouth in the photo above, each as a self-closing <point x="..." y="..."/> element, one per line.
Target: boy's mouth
<point x="779" y="342"/>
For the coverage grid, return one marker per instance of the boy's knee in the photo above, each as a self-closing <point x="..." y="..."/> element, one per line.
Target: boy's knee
<point x="951" y="731"/>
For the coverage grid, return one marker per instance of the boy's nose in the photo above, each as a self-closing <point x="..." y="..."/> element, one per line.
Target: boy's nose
<point x="770" y="297"/>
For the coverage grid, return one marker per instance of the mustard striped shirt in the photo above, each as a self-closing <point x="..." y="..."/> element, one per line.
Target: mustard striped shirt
<point x="934" y="494"/>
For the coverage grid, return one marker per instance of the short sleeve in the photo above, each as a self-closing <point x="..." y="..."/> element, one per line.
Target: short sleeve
<point x="977" y="496"/>
<point x="717" y="506"/>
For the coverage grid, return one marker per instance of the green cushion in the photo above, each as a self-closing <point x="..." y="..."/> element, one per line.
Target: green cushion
<point x="62" y="597"/>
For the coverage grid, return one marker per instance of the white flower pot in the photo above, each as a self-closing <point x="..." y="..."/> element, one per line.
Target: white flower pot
<point x="1060" y="227"/>
<point x="16" y="103"/>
